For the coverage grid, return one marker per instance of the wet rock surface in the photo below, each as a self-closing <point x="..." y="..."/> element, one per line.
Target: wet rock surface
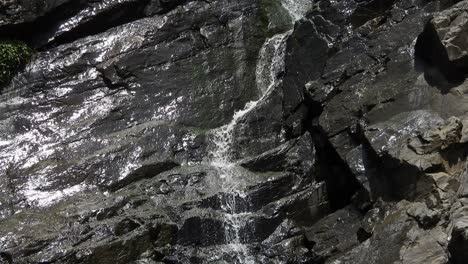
<point x="236" y="132"/>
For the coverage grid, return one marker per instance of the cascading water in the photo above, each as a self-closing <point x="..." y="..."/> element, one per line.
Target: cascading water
<point x="235" y="204"/>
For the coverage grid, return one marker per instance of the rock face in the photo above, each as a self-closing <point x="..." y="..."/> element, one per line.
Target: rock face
<point x="236" y="131"/>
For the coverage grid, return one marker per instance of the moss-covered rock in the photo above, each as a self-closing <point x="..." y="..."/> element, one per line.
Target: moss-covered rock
<point x="13" y="56"/>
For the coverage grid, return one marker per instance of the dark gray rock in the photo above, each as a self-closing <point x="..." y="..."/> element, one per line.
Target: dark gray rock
<point x="438" y="139"/>
<point x="397" y="239"/>
<point x="16" y="11"/>
<point x="458" y="237"/>
<point x="296" y="156"/>
<point x="222" y="131"/>
<point x="335" y="233"/>
<point x="451" y="29"/>
<point x="425" y="217"/>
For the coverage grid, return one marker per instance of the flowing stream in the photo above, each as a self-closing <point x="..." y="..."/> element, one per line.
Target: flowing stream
<point x="235" y="205"/>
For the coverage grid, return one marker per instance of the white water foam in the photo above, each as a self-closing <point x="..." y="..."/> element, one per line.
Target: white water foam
<point x="297" y="8"/>
<point x="236" y="215"/>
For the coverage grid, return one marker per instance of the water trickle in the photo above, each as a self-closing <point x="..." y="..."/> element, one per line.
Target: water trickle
<point x="297" y="8"/>
<point x="235" y="203"/>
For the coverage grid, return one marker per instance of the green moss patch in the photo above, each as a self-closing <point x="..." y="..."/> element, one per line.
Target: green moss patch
<point x="13" y="56"/>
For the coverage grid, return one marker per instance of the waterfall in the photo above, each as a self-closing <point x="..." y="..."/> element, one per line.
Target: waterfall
<point x="297" y="8"/>
<point x="235" y="204"/>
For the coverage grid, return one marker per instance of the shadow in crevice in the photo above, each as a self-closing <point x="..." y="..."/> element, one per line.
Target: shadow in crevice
<point x="31" y="31"/>
<point x="92" y="22"/>
<point x="431" y="57"/>
<point x="96" y="23"/>
<point x="341" y="183"/>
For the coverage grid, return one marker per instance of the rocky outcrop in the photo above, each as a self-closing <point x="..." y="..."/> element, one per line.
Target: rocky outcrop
<point x="235" y="132"/>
